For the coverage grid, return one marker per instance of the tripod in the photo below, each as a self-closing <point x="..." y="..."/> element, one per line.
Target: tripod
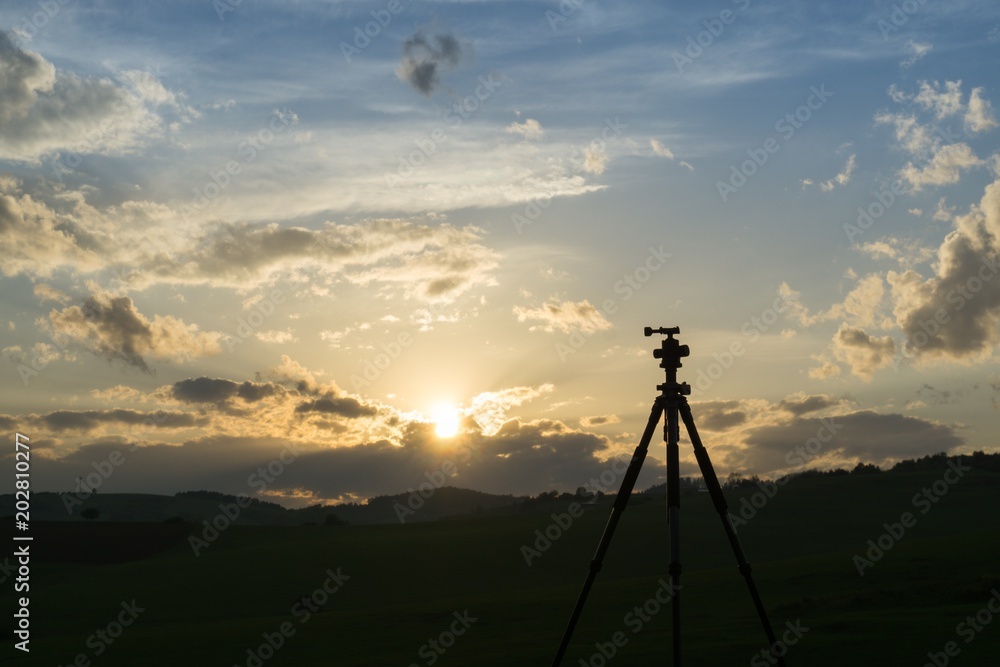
<point x="672" y="400"/>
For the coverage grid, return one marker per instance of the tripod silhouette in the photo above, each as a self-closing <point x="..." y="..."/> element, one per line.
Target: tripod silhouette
<point x="673" y="401"/>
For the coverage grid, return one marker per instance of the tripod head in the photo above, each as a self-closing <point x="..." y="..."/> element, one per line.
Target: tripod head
<point x="670" y="354"/>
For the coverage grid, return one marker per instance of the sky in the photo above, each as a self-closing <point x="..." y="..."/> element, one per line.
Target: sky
<point x="364" y="246"/>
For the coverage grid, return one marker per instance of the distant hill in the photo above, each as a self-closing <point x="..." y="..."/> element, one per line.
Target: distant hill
<point x="445" y="502"/>
<point x="197" y="506"/>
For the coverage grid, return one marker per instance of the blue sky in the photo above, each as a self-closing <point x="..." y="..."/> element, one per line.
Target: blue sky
<point x="218" y="217"/>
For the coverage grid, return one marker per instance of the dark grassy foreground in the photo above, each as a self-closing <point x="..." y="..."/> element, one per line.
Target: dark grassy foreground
<point x="405" y="583"/>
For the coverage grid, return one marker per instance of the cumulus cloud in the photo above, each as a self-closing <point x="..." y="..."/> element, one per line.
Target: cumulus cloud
<point x="112" y="328"/>
<point x="423" y="57"/>
<point x="567" y="316"/>
<point x="490" y="408"/>
<point x="43" y="110"/>
<point x="863" y="352"/>
<point x="530" y="129"/>
<point x="954" y="313"/>
<point x="979" y="116"/>
<point x="944" y="168"/>
<point x="939" y="157"/>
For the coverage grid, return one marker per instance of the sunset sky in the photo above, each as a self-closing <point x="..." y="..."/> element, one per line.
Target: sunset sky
<point x="232" y="228"/>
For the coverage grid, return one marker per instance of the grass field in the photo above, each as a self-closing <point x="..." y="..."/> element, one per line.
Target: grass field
<point x="401" y="586"/>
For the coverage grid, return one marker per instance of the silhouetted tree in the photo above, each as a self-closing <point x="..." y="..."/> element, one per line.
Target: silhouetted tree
<point x="90" y="513"/>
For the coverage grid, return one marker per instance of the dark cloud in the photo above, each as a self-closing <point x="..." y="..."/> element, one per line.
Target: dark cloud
<point x="112" y="328"/>
<point x="800" y="405"/>
<point x="217" y="390"/>
<point x="864" y="352"/>
<point x="423" y="57"/>
<point x="87" y="420"/>
<point x="344" y="406"/>
<point x="865" y="435"/>
<point x="719" y="415"/>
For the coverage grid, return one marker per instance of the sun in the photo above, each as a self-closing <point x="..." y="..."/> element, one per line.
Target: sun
<point x="446" y="420"/>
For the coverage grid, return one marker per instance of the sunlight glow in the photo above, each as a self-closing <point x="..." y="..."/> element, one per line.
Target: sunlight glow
<point x="446" y="420"/>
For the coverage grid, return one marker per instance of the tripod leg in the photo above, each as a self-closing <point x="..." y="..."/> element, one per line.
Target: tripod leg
<point x="672" y="436"/>
<point x="715" y="489"/>
<point x="624" y="493"/>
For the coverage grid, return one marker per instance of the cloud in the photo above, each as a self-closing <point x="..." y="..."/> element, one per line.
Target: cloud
<point x="112" y="328"/>
<point x="217" y="390"/>
<point x="916" y="50"/>
<point x="43" y="110"/>
<point x="801" y="404"/>
<point x="490" y="408"/>
<point x="423" y="57"/>
<point x="595" y="160"/>
<point x="599" y="420"/>
<point x="433" y="262"/>
<point x="979" y="117"/>
<point x="567" y="316"/>
<point x="344" y="406"/>
<point x="843" y="178"/>
<point x="660" y="149"/>
<point x="825" y="370"/>
<point x="36" y="240"/>
<point x="530" y="129"/>
<point x="46" y="292"/>
<point x="89" y="420"/>
<point x="940" y="158"/>
<point x="953" y="314"/>
<point x="945" y="167"/>
<point x="863" y="352"/>
<point x="943" y="101"/>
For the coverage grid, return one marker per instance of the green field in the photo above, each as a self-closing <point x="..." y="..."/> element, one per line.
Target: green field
<point x="406" y="582"/>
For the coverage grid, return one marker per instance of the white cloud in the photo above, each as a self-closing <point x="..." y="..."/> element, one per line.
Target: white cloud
<point x="979" y="116"/>
<point x="916" y="50"/>
<point x="566" y="317"/>
<point x="530" y="129"/>
<point x="660" y="149"/>
<point x="843" y="178"/>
